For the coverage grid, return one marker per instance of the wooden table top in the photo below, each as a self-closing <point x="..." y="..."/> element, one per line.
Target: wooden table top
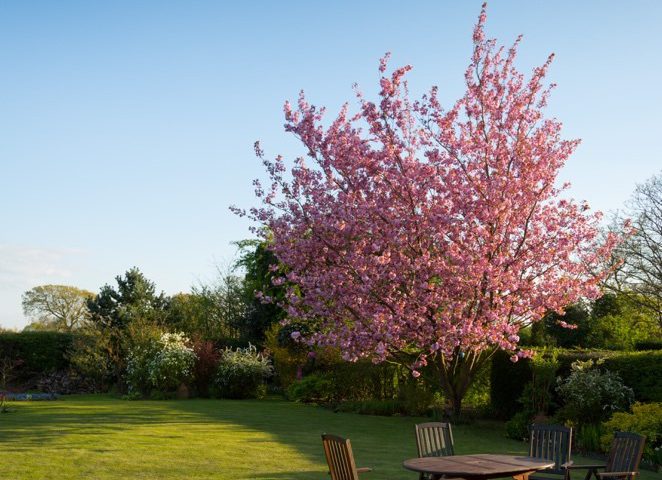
<point x="483" y="466"/>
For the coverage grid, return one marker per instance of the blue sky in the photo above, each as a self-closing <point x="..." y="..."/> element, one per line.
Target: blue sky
<point x="127" y="128"/>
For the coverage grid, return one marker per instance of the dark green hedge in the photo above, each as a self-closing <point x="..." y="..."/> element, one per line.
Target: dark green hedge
<point x="648" y="345"/>
<point x="364" y="387"/>
<point x="641" y="371"/>
<point x="35" y="352"/>
<point x="507" y="381"/>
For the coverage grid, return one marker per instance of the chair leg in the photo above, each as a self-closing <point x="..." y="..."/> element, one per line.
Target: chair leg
<point x="591" y="471"/>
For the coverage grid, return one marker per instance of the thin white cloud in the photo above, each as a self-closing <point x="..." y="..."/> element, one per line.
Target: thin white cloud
<point x="25" y="264"/>
<point x="23" y="267"/>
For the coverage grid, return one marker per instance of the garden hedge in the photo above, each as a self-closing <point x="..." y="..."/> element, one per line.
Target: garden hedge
<point x="507" y="381"/>
<point x="35" y="353"/>
<point x="639" y="370"/>
<point x="648" y="345"/>
<point x="642" y="371"/>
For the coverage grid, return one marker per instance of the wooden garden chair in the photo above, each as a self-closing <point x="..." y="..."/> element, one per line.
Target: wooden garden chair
<point x="434" y="439"/>
<point x="623" y="461"/>
<point x="553" y="443"/>
<point x="340" y="458"/>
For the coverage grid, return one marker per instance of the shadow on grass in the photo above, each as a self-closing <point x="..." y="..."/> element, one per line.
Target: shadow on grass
<point x="379" y="442"/>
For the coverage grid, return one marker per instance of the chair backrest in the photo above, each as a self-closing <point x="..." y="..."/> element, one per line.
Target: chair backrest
<point x="340" y="458"/>
<point x="625" y="452"/>
<point x="551" y="442"/>
<point x="434" y="439"/>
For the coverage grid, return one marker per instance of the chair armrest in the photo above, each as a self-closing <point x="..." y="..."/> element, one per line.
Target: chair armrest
<point x="617" y="474"/>
<point x="364" y="469"/>
<point x="568" y="464"/>
<point x="592" y="466"/>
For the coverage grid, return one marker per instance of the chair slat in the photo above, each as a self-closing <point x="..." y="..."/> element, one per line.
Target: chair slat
<point x="553" y="443"/>
<point x="339" y="457"/>
<point x="434" y="439"/>
<point x="625" y="452"/>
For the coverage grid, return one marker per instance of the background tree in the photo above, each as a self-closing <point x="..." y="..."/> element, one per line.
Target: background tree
<point x="640" y="273"/>
<point x="215" y="310"/>
<point x="261" y="267"/>
<point x="117" y="313"/>
<point x="618" y="323"/>
<point x="187" y="313"/>
<point x="134" y="298"/>
<point x="224" y="306"/>
<point x="430" y="232"/>
<point x="56" y="307"/>
<point x="612" y="321"/>
<point x="553" y="329"/>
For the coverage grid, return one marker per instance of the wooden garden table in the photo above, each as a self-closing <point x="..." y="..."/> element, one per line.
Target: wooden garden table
<point x="478" y="467"/>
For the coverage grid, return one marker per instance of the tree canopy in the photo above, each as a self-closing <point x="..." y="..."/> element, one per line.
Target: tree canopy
<point x="432" y="231"/>
<point x="56" y="307"/>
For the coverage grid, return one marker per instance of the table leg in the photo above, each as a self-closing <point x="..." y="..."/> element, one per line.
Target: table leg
<point x="522" y="476"/>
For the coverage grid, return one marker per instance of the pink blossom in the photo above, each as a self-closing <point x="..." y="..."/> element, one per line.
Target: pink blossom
<point x="567" y="325"/>
<point x="425" y="229"/>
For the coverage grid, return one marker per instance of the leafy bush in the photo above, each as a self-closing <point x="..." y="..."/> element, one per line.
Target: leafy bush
<point x="288" y="359"/>
<point x="638" y="370"/>
<point x="536" y="398"/>
<point x="537" y="394"/>
<point x="588" y="437"/>
<point x="645" y="419"/>
<point x="517" y="427"/>
<point x="160" y="363"/>
<point x="590" y="395"/>
<point x="242" y="373"/>
<point x="206" y="364"/>
<point x="315" y="388"/>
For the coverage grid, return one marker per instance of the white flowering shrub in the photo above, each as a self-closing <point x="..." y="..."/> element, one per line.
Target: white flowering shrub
<point x="242" y="373"/>
<point x="591" y="395"/>
<point x="162" y="364"/>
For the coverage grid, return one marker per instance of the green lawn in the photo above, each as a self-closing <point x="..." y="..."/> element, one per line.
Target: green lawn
<point x="99" y="437"/>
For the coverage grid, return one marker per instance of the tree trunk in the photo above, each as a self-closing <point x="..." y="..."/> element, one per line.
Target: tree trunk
<point x="457" y="375"/>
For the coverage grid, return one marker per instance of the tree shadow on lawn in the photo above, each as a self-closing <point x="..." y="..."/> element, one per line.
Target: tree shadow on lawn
<point x="381" y="443"/>
<point x="34" y="424"/>
<point x="259" y="427"/>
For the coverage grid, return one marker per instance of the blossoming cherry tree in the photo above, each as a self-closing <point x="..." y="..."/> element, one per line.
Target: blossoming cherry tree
<point x="430" y="232"/>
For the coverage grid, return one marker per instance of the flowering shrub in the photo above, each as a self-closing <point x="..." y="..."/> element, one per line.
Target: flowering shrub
<point x="173" y="362"/>
<point x="242" y="372"/>
<point x="590" y="395"/>
<point x="162" y="363"/>
<point x="138" y="365"/>
<point x="645" y="419"/>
